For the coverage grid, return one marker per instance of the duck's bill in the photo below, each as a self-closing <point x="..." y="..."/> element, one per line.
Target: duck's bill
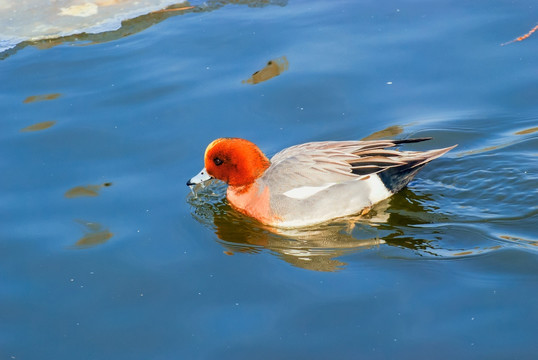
<point x="200" y="178"/>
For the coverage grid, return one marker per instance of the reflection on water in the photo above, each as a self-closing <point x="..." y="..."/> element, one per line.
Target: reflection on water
<point x="39" y="126"/>
<point x="217" y="4"/>
<point x="389" y="132"/>
<point x="45" y="24"/>
<point x="506" y="142"/>
<point x="45" y="97"/>
<point x="172" y="9"/>
<point x="519" y="240"/>
<point x="85" y="190"/>
<point x="273" y="68"/>
<point x="395" y="222"/>
<point x="94" y="235"/>
<point x="527" y="131"/>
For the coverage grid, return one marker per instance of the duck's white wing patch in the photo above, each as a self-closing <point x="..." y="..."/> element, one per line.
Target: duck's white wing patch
<point x="304" y="192"/>
<point x="378" y="190"/>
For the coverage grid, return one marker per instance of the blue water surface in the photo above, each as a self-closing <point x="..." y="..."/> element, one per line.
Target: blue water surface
<point x="106" y="254"/>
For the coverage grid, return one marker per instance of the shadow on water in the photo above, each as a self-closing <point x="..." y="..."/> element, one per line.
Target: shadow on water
<point x="138" y="24"/>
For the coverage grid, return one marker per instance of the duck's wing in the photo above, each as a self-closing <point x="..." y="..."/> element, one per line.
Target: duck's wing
<point x="319" y="164"/>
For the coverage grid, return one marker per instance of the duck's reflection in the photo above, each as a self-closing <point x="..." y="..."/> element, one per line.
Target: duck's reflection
<point x="318" y="247"/>
<point x="313" y="248"/>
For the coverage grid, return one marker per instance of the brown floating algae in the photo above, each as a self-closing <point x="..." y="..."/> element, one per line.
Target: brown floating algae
<point x="274" y="68"/>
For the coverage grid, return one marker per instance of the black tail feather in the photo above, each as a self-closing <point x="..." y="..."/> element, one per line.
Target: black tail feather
<point x="408" y="141"/>
<point x="396" y="178"/>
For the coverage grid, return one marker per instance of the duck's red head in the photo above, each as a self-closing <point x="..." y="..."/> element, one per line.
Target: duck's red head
<point x="235" y="161"/>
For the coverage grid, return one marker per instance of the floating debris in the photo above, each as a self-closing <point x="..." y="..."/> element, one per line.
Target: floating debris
<point x="274" y="68"/>
<point x="45" y="97"/>
<point x="522" y="37"/>
<point x="95" y="234"/>
<point x="39" y="126"/>
<point x="86" y="190"/>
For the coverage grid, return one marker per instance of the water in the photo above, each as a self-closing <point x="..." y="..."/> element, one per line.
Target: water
<point x="105" y="253"/>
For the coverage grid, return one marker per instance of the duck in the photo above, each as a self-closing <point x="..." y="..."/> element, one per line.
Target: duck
<point x="314" y="182"/>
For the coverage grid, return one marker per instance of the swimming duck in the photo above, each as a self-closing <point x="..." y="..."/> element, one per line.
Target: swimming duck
<point x="313" y="182"/>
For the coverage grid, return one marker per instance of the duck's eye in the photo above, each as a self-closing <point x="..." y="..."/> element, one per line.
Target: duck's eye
<point x="217" y="161"/>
